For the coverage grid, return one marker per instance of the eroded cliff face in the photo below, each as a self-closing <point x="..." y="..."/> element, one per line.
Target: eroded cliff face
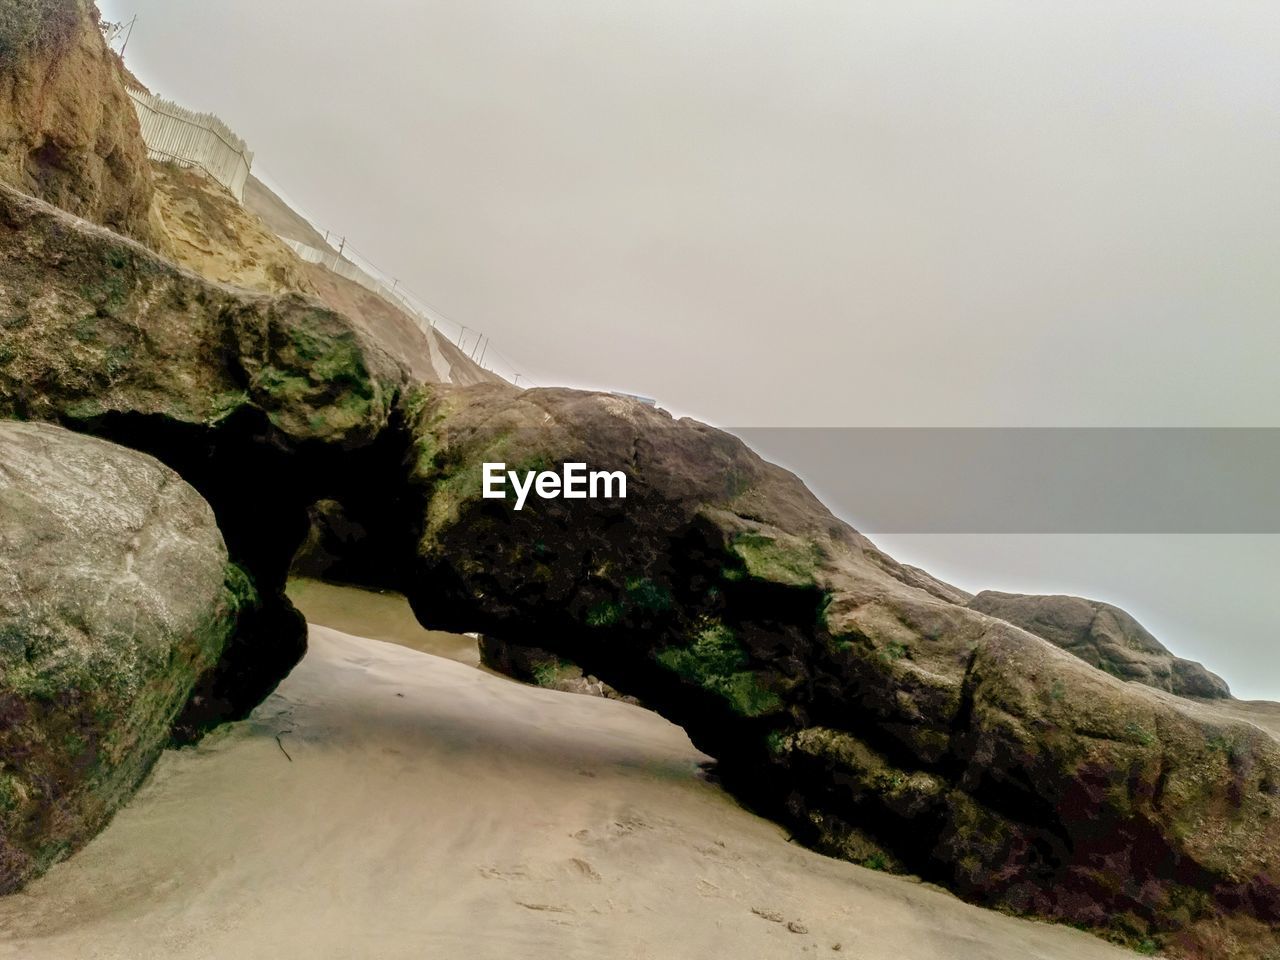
<point x="206" y="230"/>
<point x="209" y="232"/>
<point x="68" y="131"/>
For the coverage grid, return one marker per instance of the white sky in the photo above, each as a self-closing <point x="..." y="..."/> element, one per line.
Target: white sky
<point x="822" y="213"/>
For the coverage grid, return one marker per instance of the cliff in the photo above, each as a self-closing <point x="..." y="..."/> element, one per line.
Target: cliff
<point x="68" y="132"/>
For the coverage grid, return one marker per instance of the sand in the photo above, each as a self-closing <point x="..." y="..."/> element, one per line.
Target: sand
<point x="427" y="809"/>
<point x="210" y="233"/>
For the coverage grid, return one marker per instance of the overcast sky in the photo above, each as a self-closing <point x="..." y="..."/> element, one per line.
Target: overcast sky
<point x="818" y="213"/>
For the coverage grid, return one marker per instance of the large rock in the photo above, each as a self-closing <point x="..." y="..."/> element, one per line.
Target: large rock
<point x="1105" y="637"/>
<point x="96" y="327"/>
<point x="68" y="131"/>
<point x="116" y="594"/>
<point x="861" y="701"/>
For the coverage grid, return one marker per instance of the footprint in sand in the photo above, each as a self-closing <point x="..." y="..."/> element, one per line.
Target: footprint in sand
<point x="517" y="872"/>
<point x="584" y="869"/>
<point x="546" y="907"/>
<point x="612" y="831"/>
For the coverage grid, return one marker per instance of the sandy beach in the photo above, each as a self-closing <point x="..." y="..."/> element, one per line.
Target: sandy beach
<point x="391" y="803"/>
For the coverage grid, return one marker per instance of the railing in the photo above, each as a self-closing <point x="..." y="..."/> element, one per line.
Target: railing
<point x="172" y="132"/>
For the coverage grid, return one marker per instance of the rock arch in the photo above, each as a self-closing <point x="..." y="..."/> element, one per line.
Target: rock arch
<point x="865" y="705"/>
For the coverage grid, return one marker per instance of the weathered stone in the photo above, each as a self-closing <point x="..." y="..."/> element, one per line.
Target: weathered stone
<point x="68" y="131"/>
<point x="542" y="668"/>
<point x="1105" y="637"/>
<point x="256" y="400"/>
<point x="863" y="702"/>
<point x="116" y="595"/>
<point x="95" y="326"/>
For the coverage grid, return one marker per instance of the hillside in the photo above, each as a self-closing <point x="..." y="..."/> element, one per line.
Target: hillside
<point x="431" y="358"/>
<point x="209" y="232"/>
<point x="279" y="217"/>
<point x="212" y="234"/>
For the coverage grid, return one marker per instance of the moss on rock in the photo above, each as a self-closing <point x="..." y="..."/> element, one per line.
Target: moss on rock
<point x="781" y="559"/>
<point x="117" y="596"/>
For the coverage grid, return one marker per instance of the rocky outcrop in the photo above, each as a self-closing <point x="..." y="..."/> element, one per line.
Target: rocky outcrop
<point x="96" y="326"/>
<point x="256" y="400"/>
<point x="853" y="698"/>
<point x="116" y="595"/>
<point x="1105" y="637"/>
<point x="68" y="131"/>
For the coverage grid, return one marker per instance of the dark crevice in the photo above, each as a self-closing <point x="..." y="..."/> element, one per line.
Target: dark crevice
<point x="260" y="485"/>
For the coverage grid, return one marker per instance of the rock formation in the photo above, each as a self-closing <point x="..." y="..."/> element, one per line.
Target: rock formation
<point x="116" y="594"/>
<point x="1106" y="637"/>
<point x="256" y="400"/>
<point x="847" y="695"/>
<point x="881" y="714"/>
<point x="68" y="132"/>
<point x="860" y="701"/>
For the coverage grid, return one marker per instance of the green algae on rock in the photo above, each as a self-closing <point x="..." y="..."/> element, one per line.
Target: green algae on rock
<point x="95" y="325"/>
<point x="256" y="400"/>
<point x="860" y="701"/>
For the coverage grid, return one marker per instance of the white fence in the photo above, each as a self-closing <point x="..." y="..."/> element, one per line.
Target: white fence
<point x="332" y="261"/>
<point x="172" y="132"/>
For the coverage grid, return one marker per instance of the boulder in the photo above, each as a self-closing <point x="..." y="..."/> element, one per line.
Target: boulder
<point x="1105" y="637"/>
<point x="116" y="596"/>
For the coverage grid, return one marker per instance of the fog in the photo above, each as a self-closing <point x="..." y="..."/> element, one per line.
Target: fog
<point x="817" y="214"/>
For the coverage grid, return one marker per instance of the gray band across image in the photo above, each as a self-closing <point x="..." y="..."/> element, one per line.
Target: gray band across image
<point x="1037" y="480"/>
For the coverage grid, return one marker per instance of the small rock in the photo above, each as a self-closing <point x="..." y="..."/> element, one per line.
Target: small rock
<point x="795" y="926"/>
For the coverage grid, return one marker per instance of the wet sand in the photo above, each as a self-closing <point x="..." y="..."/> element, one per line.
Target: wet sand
<point x="377" y="615"/>
<point x="387" y="803"/>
